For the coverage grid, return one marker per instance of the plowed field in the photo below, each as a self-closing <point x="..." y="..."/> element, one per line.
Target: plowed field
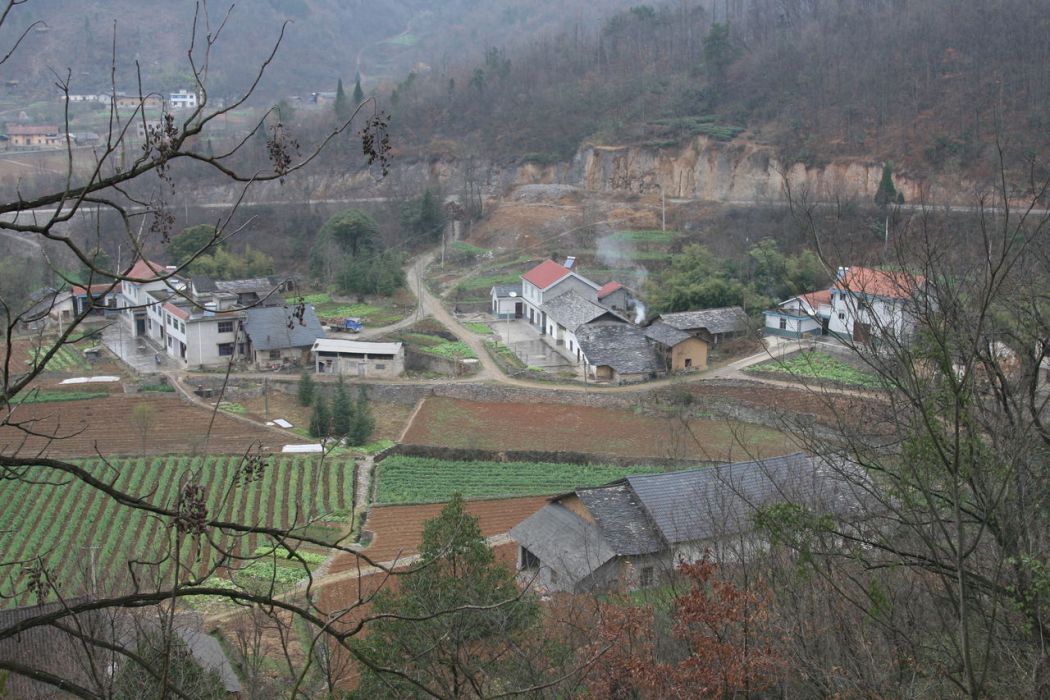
<point x="398" y="530"/>
<point x="106" y="425"/>
<point x="553" y="427"/>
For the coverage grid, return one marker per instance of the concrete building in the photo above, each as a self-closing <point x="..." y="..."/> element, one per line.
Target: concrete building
<point x="183" y="99"/>
<point x="867" y="304"/>
<point x="802" y="315"/>
<point x="278" y="335"/>
<point x="358" y="358"/>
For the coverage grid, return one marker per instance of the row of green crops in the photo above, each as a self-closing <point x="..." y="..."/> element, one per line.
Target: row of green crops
<point x="45" y="396"/>
<point x="818" y="365"/>
<point x="80" y="536"/>
<point x="66" y="359"/>
<point x="426" y="480"/>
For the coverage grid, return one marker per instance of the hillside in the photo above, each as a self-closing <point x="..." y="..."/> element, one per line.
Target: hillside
<point x="927" y="84"/>
<point x="325" y="40"/>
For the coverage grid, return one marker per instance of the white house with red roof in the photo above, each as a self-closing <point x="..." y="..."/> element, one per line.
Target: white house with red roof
<point x="867" y="304"/>
<point x="547" y="281"/>
<point x="802" y="315"/>
<point x="136" y="303"/>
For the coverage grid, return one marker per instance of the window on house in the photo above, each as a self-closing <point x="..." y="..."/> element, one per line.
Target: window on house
<point x="379" y="366"/>
<point x="275" y="354"/>
<point x="783" y="324"/>
<point x="529" y="560"/>
<point x="240" y="348"/>
<point x="842" y="316"/>
<point x="225" y="349"/>
<point x="226" y="326"/>
<point x="646" y="578"/>
<point x="182" y="327"/>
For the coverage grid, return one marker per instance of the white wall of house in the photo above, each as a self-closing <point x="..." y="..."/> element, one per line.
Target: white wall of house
<point x="884" y="316"/>
<point x="535" y="297"/>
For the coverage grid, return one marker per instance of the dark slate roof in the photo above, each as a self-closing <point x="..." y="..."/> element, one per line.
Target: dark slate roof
<point x="504" y="290"/>
<point x="207" y="651"/>
<point x="563" y="541"/>
<point x="665" y="334"/>
<point x="623" y="522"/>
<point x="618" y="345"/>
<point x="274" y="327"/>
<point x="259" y="285"/>
<point x="730" y="319"/>
<point x="702" y="504"/>
<point x="204" y="284"/>
<point x="46" y="648"/>
<point x="572" y="310"/>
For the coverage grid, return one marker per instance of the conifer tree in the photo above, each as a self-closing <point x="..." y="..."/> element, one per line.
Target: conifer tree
<point x="306" y="389"/>
<point x="321" y="419"/>
<point x="342" y="108"/>
<point x="342" y="411"/>
<point x="363" y="422"/>
<point x="359" y="94"/>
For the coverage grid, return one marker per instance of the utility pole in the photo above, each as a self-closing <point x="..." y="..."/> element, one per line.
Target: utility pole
<point x="663" y="210"/>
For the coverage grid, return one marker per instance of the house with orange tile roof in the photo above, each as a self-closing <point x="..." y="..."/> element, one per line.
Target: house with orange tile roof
<point x="799" y="316"/>
<point x="867" y="304"/>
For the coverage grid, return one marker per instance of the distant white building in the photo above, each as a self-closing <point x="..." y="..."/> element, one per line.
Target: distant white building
<point x="183" y="99"/>
<point x="805" y="314"/>
<point x="358" y="358"/>
<point x="867" y="304"/>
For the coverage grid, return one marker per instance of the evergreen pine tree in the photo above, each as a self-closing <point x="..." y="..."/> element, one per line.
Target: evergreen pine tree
<point x="321" y="419"/>
<point x="342" y="411"/>
<point x="342" y="108"/>
<point x="887" y="193"/>
<point x="363" y="422"/>
<point x="359" y="94"/>
<point x="306" y="389"/>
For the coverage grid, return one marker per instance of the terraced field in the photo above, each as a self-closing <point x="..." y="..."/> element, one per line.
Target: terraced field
<point x="84" y="539"/>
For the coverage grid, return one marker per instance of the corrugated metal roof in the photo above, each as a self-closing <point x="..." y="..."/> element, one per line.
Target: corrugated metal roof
<point x="729" y="319"/>
<point x="276" y="327"/>
<point x="355" y="346"/>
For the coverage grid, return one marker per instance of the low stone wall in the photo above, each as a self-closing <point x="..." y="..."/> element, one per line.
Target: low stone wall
<point x="559" y="457"/>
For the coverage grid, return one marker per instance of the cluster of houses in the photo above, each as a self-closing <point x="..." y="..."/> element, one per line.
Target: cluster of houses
<point x="598" y="326"/>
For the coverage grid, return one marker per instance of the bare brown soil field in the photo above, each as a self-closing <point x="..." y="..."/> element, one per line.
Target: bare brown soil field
<point x="552" y="427"/>
<point x="827" y="408"/>
<point x="105" y="425"/>
<point x="390" y="417"/>
<point x="398" y="530"/>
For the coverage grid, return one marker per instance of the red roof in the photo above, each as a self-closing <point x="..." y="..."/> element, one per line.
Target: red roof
<point x="545" y="274"/>
<point x="608" y="288"/>
<point x="31" y="130"/>
<point x="815" y="299"/>
<point x="864" y="280"/>
<point x="176" y="311"/>
<point x="146" y="270"/>
<point x="100" y="288"/>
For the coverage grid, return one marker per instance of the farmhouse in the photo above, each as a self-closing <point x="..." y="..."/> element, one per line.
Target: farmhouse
<point x="867" y="304"/>
<point x="618" y="353"/>
<point x="506" y="301"/>
<point x="264" y="291"/>
<point x="712" y="325"/>
<point x="358" y="358"/>
<point x="565" y="314"/>
<point x="802" y="315"/>
<point x="34" y="136"/>
<point x="97" y="299"/>
<point x="632" y="533"/>
<point x="277" y="336"/>
<point x="546" y="281"/>
<point x="48" y="306"/>
<point x="678" y="350"/>
<point x="183" y="99"/>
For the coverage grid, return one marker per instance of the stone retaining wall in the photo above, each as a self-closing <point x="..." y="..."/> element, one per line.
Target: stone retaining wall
<point x="558" y="457"/>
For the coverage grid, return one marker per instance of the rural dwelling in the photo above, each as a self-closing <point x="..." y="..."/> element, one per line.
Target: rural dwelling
<point x="633" y="532"/>
<point x="98" y="298"/>
<point x="617" y="297"/>
<point x="679" y="351"/>
<point x="713" y="325"/>
<point x="277" y="336"/>
<point x="566" y="313"/>
<point x="183" y="99"/>
<point x="48" y="306"/>
<point x="805" y="314"/>
<point x="35" y="136"/>
<point x="546" y="281"/>
<point x="358" y="358"/>
<point x="867" y="304"/>
<point x="618" y="353"/>
<point x="136" y="303"/>
<point x="264" y="291"/>
<point x="506" y="301"/>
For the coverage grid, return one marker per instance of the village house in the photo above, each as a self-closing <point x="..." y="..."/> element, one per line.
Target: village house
<point x="618" y="353"/>
<point x="678" y="350"/>
<point x="358" y="358"/>
<point x="712" y="325"/>
<point x="566" y="313"/>
<point x="546" y="281"/>
<point x="264" y="291"/>
<point x="799" y="316"/>
<point x="96" y="299"/>
<point x="47" y="306"/>
<point x="277" y="336"/>
<point x="35" y="136"/>
<point x="632" y="533"/>
<point x="867" y="304"/>
<point x="506" y="301"/>
<point x="183" y="99"/>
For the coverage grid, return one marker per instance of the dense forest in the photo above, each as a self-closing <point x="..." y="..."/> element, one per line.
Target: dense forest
<point x="924" y="83"/>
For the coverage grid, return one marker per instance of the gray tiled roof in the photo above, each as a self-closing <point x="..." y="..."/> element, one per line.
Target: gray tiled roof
<point x="572" y="310"/>
<point x="666" y="334"/>
<point x="259" y="285"/>
<point x="47" y="648"/>
<point x="622" y="520"/>
<point x="274" y="327"/>
<point x="207" y="651"/>
<point x="563" y="541"/>
<point x="618" y="345"/>
<point x="729" y="319"/>
<point x="504" y="290"/>
<point x="702" y="504"/>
